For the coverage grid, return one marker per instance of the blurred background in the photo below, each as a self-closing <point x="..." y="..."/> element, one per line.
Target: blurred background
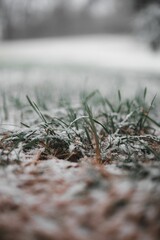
<point x="117" y="41"/>
<point x="21" y="19"/>
<point x="28" y="19"/>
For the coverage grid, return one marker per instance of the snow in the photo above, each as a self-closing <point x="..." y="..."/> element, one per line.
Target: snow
<point x="74" y="64"/>
<point x="107" y="51"/>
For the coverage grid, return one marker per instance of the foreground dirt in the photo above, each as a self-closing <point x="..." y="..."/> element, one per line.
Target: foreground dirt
<point x="56" y="199"/>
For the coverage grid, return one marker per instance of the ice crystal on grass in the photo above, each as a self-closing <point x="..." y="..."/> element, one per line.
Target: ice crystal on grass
<point x="122" y="133"/>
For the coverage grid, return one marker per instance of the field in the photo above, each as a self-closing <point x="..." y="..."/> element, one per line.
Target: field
<point x="79" y="144"/>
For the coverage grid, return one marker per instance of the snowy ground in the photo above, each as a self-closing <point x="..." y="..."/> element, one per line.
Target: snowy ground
<point x="120" y="52"/>
<point x="107" y="62"/>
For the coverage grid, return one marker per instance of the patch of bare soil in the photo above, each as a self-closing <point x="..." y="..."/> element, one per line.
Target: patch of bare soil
<point x="60" y="200"/>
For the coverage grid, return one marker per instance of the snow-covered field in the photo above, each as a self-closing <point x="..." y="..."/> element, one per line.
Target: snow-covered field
<point x="106" y="62"/>
<point x="115" y="52"/>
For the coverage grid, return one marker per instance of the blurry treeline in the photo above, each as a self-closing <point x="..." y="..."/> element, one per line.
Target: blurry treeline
<point x="147" y="22"/>
<point x="141" y="4"/>
<point x="43" y="18"/>
<point x="40" y="18"/>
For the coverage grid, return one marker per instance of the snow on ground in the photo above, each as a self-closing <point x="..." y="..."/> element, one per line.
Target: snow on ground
<point x="115" y="52"/>
<point x="61" y="200"/>
<point x="107" y="63"/>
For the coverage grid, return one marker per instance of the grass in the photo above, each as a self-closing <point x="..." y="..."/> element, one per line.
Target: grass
<point x="115" y="142"/>
<point x="122" y="131"/>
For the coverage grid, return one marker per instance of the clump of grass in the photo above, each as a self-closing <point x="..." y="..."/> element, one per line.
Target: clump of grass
<point x="5" y="107"/>
<point x="91" y="123"/>
<point x="97" y="128"/>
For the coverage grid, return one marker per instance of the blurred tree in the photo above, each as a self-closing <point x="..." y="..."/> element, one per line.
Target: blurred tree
<point x="141" y="4"/>
<point x="34" y="18"/>
<point x="6" y="19"/>
<point x="147" y="23"/>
